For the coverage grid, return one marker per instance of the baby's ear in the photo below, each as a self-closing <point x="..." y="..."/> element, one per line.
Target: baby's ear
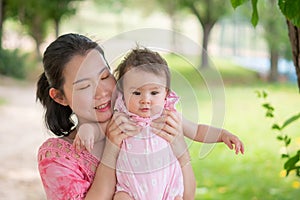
<point x="57" y="96"/>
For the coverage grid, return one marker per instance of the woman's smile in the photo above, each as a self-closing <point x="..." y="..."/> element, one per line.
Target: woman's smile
<point x="103" y="107"/>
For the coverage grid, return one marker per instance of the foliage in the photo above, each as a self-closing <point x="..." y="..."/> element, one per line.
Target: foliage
<point x="35" y="16"/>
<point x="32" y="15"/>
<point x="275" y="36"/>
<point x="12" y="64"/>
<point x="289" y="8"/>
<point x="292" y="162"/>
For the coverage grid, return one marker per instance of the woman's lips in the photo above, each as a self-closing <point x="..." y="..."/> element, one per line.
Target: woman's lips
<point x="103" y="107"/>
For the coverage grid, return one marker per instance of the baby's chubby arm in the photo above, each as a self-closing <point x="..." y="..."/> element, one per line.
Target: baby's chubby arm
<point x="87" y="135"/>
<point x="209" y="134"/>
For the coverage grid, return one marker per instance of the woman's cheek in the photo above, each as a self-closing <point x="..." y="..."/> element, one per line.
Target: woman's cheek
<point x="83" y="99"/>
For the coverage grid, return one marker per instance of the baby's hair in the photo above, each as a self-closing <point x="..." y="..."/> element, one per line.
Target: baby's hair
<point x="56" y="56"/>
<point x="143" y="59"/>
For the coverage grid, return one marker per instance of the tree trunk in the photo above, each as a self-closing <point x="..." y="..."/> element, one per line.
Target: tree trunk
<point x="294" y="35"/>
<point x="274" y="66"/>
<point x="174" y="27"/>
<point x="204" y="56"/>
<point x="56" y="28"/>
<point x="1" y="21"/>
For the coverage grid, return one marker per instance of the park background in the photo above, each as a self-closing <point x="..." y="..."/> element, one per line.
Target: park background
<point x="237" y="50"/>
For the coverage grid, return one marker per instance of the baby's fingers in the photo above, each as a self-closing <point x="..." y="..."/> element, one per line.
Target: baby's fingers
<point x="77" y="144"/>
<point x="89" y="145"/>
<point x="239" y="147"/>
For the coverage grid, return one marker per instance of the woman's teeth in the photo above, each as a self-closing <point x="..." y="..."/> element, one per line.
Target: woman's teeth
<point x="101" y="106"/>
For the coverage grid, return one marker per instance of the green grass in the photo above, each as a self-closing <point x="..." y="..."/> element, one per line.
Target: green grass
<point x="2" y="101"/>
<point x="257" y="175"/>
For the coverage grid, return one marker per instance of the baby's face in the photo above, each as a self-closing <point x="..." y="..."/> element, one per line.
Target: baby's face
<point x="144" y="92"/>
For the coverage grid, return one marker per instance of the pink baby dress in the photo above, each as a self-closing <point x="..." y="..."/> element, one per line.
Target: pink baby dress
<point x="146" y="167"/>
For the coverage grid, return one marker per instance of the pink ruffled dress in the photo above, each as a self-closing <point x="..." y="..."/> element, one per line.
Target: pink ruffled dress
<point x="65" y="173"/>
<point x="146" y="167"/>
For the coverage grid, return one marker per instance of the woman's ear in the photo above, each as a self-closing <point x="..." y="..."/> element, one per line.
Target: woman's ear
<point x="57" y="96"/>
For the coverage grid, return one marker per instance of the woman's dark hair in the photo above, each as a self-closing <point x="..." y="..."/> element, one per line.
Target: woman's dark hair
<point x="143" y="59"/>
<point x="56" y="56"/>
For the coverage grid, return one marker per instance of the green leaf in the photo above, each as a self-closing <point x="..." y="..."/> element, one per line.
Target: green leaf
<point x="285" y="156"/>
<point x="290" y="164"/>
<point x="254" y="18"/>
<point x="264" y="94"/>
<point x="269" y="114"/>
<point x="279" y="138"/>
<point x="276" y="127"/>
<point x="268" y="106"/>
<point x="258" y="94"/>
<point x="287" y="141"/>
<point x="290" y="120"/>
<point x="236" y="3"/>
<point x="290" y="9"/>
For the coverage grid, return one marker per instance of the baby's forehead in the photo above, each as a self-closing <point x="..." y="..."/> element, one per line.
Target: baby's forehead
<point x="140" y="78"/>
<point x="148" y="86"/>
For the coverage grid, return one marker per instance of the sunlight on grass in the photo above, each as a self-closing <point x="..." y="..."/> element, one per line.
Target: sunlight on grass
<point x="259" y="173"/>
<point x="2" y="101"/>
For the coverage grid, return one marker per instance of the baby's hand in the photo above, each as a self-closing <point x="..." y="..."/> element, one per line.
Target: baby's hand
<point x="232" y="141"/>
<point x="85" y="138"/>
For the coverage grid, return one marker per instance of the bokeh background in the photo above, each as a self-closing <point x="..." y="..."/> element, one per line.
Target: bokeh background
<point x="238" y="60"/>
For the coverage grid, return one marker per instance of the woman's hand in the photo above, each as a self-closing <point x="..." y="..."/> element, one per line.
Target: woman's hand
<point x="169" y="127"/>
<point x="119" y="128"/>
<point x="232" y="141"/>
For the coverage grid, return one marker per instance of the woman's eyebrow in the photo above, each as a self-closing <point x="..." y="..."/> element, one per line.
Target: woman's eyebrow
<point x="85" y="79"/>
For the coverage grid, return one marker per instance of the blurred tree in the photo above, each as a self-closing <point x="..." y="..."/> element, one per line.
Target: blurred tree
<point x="57" y="9"/>
<point x="116" y="7"/>
<point x="171" y="8"/>
<point x="208" y="12"/>
<point x="1" y="21"/>
<point x="36" y="15"/>
<point x="290" y="9"/>
<point x="33" y="17"/>
<point x="275" y="36"/>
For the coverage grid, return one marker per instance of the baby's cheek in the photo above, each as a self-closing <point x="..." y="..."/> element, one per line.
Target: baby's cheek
<point x="156" y="109"/>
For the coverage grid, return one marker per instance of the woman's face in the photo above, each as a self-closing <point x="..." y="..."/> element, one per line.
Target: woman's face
<point x="88" y="87"/>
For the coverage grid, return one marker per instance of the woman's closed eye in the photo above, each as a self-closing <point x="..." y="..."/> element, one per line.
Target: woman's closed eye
<point x="82" y="87"/>
<point x="105" y="75"/>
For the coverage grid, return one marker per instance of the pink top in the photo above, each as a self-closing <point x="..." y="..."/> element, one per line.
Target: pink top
<point x="65" y="173"/>
<point x="146" y="167"/>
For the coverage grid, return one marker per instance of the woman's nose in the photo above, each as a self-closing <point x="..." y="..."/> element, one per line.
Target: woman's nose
<point x="100" y="90"/>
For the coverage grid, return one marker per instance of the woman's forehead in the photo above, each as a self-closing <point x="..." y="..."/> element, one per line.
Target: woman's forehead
<point x="84" y="66"/>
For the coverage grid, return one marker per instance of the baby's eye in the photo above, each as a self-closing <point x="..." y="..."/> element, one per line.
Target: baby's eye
<point x="136" y="93"/>
<point x="154" y="93"/>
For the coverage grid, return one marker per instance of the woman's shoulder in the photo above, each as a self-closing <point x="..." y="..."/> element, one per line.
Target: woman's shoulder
<point x="58" y="148"/>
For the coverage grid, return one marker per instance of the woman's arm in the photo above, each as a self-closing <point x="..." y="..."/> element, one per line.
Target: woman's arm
<point x="118" y="129"/>
<point x="209" y="134"/>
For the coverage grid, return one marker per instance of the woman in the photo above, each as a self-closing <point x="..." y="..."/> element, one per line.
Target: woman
<point x="77" y="80"/>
